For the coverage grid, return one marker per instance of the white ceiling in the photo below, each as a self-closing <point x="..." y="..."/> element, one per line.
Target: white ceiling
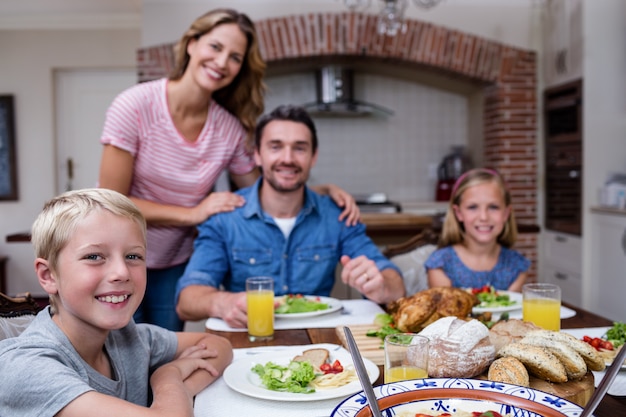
<point x="69" y="14"/>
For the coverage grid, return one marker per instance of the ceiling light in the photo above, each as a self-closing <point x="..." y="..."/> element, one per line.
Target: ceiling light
<point x="391" y="16"/>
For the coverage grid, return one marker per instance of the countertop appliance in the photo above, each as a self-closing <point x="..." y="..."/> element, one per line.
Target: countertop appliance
<point x="450" y="169"/>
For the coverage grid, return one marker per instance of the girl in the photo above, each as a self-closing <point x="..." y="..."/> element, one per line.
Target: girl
<point x="167" y="141"/>
<point x="478" y="232"/>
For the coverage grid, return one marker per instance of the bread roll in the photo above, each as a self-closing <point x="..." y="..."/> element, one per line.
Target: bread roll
<point x="539" y="361"/>
<point x="458" y="348"/>
<point x="574" y="364"/>
<point x="513" y="330"/>
<point x="509" y="370"/>
<point x="590" y="355"/>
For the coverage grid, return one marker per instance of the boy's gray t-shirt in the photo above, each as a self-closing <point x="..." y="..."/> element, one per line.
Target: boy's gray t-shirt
<point x="41" y="372"/>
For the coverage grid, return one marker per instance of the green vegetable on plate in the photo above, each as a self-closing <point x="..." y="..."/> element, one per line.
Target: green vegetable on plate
<point x="299" y="304"/>
<point x="294" y="377"/>
<point x="617" y="334"/>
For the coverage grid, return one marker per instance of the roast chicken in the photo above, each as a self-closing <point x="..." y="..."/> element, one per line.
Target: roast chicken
<point x="412" y="314"/>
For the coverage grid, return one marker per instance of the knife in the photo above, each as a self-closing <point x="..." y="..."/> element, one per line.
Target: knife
<point x="362" y="373"/>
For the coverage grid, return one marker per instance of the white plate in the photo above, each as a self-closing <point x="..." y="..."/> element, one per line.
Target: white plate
<point x="513" y="296"/>
<point x="239" y="376"/>
<point x="333" y="305"/>
<point x="451" y="395"/>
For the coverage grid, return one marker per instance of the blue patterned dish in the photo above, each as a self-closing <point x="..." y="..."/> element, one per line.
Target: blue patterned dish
<point x="440" y="395"/>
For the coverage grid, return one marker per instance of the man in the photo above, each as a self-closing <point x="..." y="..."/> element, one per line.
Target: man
<point x="284" y="230"/>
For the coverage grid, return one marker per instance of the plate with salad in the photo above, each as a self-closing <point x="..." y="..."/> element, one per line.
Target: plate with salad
<point x="246" y="375"/>
<point x="496" y="301"/>
<point x="298" y="306"/>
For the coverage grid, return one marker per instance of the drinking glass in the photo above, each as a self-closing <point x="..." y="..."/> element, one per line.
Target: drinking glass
<point x="406" y="357"/>
<point x="541" y="305"/>
<point x="260" y="300"/>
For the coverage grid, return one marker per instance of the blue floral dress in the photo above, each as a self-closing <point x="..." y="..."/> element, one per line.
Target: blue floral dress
<point x="510" y="264"/>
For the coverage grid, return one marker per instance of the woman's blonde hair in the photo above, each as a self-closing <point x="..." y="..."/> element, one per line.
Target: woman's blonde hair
<point x="61" y="215"/>
<point x="243" y="97"/>
<point x="453" y="230"/>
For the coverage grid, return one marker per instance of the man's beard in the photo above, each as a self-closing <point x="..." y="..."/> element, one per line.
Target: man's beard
<point x="282" y="189"/>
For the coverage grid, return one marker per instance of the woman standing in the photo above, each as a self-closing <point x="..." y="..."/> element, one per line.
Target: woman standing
<point x="167" y="141"/>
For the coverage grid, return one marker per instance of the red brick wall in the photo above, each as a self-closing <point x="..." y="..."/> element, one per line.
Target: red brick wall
<point x="509" y="75"/>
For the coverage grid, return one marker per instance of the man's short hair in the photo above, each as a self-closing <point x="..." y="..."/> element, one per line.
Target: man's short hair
<point x="289" y="113"/>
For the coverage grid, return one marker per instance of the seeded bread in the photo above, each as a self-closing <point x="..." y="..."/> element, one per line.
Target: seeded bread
<point x="316" y="357"/>
<point x="591" y="357"/>
<point x="539" y="361"/>
<point x="508" y="370"/>
<point x="574" y="364"/>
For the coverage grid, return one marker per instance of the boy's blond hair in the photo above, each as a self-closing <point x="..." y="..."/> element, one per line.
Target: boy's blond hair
<point x="56" y="223"/>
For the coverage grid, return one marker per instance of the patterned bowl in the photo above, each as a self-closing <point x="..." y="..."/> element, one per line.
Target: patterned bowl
<point x="446" y="395"/>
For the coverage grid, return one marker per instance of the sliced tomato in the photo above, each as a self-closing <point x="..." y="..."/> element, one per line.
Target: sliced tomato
<point x="596" y="342"/>
<point x="587" y="339"/>
<point x="606" y="345"/>
<point x="325" y="367"/>
<point x="337" y="367"/>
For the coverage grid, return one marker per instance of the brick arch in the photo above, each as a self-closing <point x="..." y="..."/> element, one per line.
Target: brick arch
<point x="508" y="73"/>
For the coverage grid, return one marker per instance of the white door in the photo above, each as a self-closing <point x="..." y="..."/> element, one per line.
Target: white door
<point x="81" y="100"/>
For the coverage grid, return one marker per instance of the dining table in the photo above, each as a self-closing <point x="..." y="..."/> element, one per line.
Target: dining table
<point x="610" y="406"/>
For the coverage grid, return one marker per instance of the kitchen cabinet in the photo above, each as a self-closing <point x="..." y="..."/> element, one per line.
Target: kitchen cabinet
<point x="563" y="42"/>
<point x="607" y="289"/>
<point x="562" y="265"/>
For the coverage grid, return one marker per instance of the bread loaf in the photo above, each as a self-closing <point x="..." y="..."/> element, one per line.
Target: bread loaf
<point x="513" y="330"/>
<point x="574" y="364"/>
<point x="509" y="370"/>
<point x="591" y="357"/>
<point x="539" y="361"/>
<point x="458" y="348"/>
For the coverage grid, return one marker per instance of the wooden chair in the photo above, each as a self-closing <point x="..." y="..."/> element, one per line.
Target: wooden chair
<point x="16" y="313"/>
<point x="410" y="257"/>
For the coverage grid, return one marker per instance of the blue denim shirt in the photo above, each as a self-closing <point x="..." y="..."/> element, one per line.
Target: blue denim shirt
<point x="246" y="242"/>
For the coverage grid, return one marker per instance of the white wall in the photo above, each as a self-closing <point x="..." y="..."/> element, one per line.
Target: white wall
<point x="604" y="120"/>
<point x="511" y="22"/>
<point x="29" y="58"/>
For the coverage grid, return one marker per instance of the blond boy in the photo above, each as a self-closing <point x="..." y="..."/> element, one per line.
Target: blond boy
<point x="84" y="355"/>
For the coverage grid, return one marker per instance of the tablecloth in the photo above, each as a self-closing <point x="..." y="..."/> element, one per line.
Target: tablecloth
<point x="353" y="312"/>
<point x="219" y="400"/>
<point x="618" y="387"/>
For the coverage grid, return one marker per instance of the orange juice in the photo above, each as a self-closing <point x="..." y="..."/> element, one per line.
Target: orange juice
<point x="260" y="314"/>
<point x="402" y="373"/>
<point x="544" y="312"/>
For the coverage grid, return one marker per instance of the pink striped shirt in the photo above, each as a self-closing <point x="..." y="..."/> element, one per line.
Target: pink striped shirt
<point x="169" y="169"/>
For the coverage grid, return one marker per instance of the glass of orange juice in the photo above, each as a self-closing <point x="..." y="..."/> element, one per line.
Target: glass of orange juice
<point x="260" y="301"/>
<point x="541" y="305"/>
<point x="406" y="357"/>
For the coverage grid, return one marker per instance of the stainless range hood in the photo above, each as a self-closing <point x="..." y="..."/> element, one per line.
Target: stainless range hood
<point x="335" y="96"/>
